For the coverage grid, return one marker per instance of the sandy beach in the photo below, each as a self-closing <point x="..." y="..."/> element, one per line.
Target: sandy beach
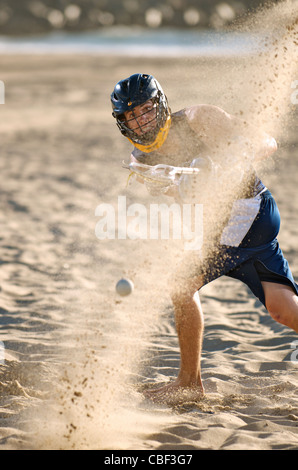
<point x="77" y="356"/>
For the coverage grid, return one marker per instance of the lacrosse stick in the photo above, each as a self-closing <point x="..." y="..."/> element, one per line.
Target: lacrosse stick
<point x="165" y="175"/>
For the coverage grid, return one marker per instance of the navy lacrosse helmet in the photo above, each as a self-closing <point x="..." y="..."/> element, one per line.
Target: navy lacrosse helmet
<point x="134" y="91"/>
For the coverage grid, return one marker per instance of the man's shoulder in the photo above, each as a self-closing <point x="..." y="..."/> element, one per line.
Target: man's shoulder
<point x="191" y="109"/>
<point x="193" y="112"/>
<point x="206" y="117"/>
<point x="199" y="111"/>
<point x="202" y="110"/>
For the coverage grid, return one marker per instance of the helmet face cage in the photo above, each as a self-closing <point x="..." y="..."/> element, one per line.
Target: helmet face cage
<point x="152" y="115"/>
<point x="143" y="88"/>
<point x="143" y="137"/>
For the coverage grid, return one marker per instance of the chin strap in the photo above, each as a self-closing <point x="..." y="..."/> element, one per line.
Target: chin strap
<point x="160" y="138"/>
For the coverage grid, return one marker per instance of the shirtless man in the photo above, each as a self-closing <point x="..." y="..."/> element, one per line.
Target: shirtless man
<point x="248" y="251"/>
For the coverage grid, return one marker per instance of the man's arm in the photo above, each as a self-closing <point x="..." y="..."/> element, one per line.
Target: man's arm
<point x="221" y="131"/>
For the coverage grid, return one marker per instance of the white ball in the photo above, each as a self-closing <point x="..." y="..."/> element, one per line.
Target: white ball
<point x="124" y="287"/>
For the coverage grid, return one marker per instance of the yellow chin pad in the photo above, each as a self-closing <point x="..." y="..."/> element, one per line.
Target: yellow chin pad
<point x="160" y="138"/>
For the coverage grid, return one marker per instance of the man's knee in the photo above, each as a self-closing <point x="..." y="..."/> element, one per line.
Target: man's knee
<point x="181" y="295"/>
<point x="279" y="312"/>
<point x="183" y="292"/>
<point x="280" y="302"/>
<point x="275" y="312"/>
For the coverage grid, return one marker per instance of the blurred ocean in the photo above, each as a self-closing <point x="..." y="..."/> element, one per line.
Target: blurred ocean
<point x="135" y="42"/>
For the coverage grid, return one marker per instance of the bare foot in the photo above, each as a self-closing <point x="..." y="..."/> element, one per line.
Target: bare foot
<point x="175" y="394"/>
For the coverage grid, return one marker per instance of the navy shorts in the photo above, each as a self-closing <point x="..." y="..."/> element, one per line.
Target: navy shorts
<point x="258" y="257"/>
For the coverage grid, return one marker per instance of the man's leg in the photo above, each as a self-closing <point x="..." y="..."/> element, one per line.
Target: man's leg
<point x="282" y="304"/>
<point x="189" y="326"/>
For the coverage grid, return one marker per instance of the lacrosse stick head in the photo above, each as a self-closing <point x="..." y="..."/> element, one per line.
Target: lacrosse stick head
<point x="135" y="91"/>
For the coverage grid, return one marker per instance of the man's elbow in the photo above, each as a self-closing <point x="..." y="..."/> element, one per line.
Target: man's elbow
<point x="271" y="145"/>
<point x="268" y="148"/>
